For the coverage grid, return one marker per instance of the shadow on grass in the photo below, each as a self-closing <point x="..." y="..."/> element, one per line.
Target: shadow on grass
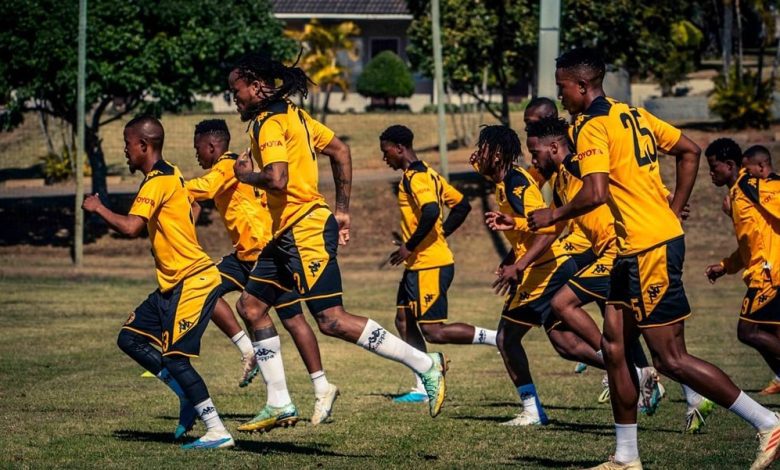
<point x="144" y="436"/>
<point x="504" y="404"/>
<point x="547" y="462"/>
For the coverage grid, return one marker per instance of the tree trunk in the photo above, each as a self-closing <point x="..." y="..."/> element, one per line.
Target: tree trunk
<point x="97" y="161"/>
<point x="776" y="61"/>
<point x="325" y="102"/>
<point x="726" y="37"/>
<point x="44" y="122"/>
<point x="739" y="41"/>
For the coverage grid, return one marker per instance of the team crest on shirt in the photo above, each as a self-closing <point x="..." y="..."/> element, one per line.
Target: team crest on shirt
<point x="653" y="291"/>
<point x="130" y="318"/>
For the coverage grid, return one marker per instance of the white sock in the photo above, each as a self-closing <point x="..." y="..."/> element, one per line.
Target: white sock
<point x="483" y="336"/>
<point x="380" y="341"/>
<point x="243" y="343"/>
<point x="627" y="448"/>
<point x="529" y="406"/>
<point x="269" y="357"/>
<point x="418" y="386"/>
<point x="638" y="374"/>
<point x="600" y="354"/>
<point x="755" y="414"/>
<point x="320" y="382"/>
<point x="692" y="398"/>
<point x="168" y="380"/>
<point x="208" y="413"/>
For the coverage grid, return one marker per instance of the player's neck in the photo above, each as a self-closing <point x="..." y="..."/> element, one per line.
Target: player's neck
<point x="592" y="94"/>
<point x="409" y="160"/>
<point x="150" y="163"/>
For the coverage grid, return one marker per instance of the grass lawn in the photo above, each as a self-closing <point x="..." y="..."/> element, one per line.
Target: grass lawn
<point x="70" y="398"/>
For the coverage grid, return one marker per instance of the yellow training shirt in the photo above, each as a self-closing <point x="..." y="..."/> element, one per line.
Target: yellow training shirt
<point x="755" y="212"/>
<point x="574" y="242"/>
<point x="420" y="185"/>
<point x="243" y="208"/>
<point x="285" y="133"/>
<point x="518" y="195"/>
<point x="615" y="138"/>
<point x="165" y="204"/>
<point x="598" y="225"/>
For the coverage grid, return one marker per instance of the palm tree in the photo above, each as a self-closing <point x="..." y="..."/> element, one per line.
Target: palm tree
<point x="322" y="46"/>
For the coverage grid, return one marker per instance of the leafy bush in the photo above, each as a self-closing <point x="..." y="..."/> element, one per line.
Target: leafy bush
<point x="740" y="103"/>
<point x="386" y="77"/>
<point x="680" y="59"/>
<point x="60" y="167"/>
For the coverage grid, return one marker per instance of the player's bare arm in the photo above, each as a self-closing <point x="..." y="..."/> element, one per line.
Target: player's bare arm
<point x="687" y="154"/>
<point x="272" y="177"/>
<point x="127" y="225"/>
<point x="341" y="166"/>
<point x="594" y="192"/>
<point x="513" y="273"/>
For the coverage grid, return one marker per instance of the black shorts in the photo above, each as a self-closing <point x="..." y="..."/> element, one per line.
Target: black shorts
<point x="650" y="284"/>
<point x="581" y="260"/>
<point x="424" y="292"/>
<point x="761" y="305"/>
<point x="235" y="274"/>
<point x="301" y="259"/>
<point x="591" y="283"/>
<point x="175" y="320"/>
<point x="529" y="303"/>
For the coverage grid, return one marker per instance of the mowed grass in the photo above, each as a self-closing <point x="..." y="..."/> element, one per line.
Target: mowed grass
<point x="70" y="398"/>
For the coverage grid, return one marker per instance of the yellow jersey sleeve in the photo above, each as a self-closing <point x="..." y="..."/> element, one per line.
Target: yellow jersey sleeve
<point x="271" y="140"/>
<point x="209" y="185"/>
<point x="422" y="189"/>
<point x="769" y="195"/>
<point x="150" y="197"/>
<point x="524" y="197"/>
<point x="450" y="195"/>
<point x="321" y="135"/>
<point x="592" y="147"/>
<point x="666" y="135"/>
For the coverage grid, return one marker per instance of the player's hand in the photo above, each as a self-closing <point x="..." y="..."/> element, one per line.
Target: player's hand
<point x="499" y="221"/>
<point x="400" y="255"/>
<point x="714" y="271"/>
<point x="243" y="166"/>
<point x="540" y="218"/>
<point x="726" y="205"/>
<point x="343" y="220"/>
<point x="685" y="212"/>
<point x="91" y="203"/>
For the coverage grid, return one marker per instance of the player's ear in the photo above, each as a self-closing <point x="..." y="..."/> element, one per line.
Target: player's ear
<point x="582" y="86"/>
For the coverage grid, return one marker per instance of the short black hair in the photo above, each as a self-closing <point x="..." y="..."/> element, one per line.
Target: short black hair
<point x="724" y="149"/>
<point x="502" y="139"/>
<point x="398" y="134"/>
<point x="758" y="152"/>
<point x="540" y="101"/>
<point x="549" y="126"/>
<point x="216" y="127"/>
<point x="584" y="62"/>
<point x="150" y="128"/>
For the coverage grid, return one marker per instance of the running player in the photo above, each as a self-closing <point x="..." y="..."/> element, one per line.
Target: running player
<point x="244" y="212"/>
<point x="534" y="275"/>
<point x="617" y="149"/>
<point x="174" y="316"/>
<point x="759" y="320"/>
<point x="285" y="142"/>
<point x="421" y="313"/>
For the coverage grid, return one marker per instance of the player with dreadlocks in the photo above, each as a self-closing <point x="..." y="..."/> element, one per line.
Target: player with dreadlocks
<point x="534" y="270"/>
<point x="285" y="142"/>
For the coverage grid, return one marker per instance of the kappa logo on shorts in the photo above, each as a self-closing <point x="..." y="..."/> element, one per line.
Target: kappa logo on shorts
<point x="523" y="295"/>
<point x="762" y="298"/>
<point x="376" y="339"/>
<point x="600" y="269"/>
<point x="130" y="318"/>
<point x="428" y="298"/>
<point x="653" y="291"/>
<point x="568" y="246"/>
<point x="184" y="325"/>
<point x="264" y="354"/>
<point x="314" y="266"/>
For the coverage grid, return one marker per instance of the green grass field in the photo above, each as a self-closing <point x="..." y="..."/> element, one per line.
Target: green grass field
<point x="70" y="398"/>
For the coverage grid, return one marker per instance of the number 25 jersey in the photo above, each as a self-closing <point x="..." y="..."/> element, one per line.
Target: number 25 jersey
<point x="624" y="141"/>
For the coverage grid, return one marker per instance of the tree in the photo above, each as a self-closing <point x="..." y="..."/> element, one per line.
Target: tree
<point x="685" y="39"/>
<point x="499" y="36"/>
<point x="386" y="77"/>
<point x="320" y="60"/>
<point x="142" y="56"/>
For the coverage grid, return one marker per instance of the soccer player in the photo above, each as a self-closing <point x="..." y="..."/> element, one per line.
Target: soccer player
<point x="285" y="142"/>
<point x="535" y="270"/>
<point x="421" y="306"/>
<point x="174" y="316"/>
<point x="759" y="320"/>
<point x="244" y="211"/>
<point x="617" y="149"/>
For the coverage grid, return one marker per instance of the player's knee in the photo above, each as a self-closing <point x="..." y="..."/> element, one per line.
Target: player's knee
<point x="250" y="308"/>
<point x="330" y="323"/>
<point x="611" y="350"/>
<point x="434" y="333"/>
<point x="560" y="306"/>
<point x="746" y="333"/>
<point x="671" y="365"/>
